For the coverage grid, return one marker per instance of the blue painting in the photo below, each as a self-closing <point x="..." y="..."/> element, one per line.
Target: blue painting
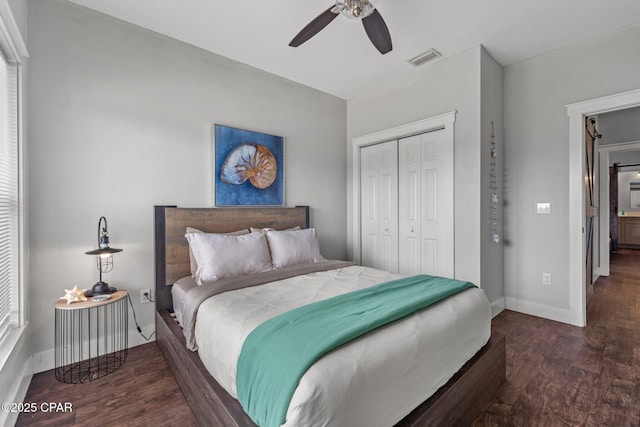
<point x="248" y="168"/>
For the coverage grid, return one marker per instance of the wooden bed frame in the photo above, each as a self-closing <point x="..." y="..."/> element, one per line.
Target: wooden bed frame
<point x="458" y="402"/>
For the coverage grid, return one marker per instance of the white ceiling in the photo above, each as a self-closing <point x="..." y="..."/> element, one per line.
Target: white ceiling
<point x="340" y="59"/>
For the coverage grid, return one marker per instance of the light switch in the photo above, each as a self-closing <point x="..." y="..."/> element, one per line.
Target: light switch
<point x="544" y="208"/>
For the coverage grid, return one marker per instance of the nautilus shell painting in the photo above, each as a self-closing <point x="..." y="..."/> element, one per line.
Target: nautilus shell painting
<point x="253" y="162"/>
<point x="249" y="168"/>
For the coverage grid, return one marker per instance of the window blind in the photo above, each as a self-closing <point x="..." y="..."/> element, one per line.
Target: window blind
<point x="9" y="197"/>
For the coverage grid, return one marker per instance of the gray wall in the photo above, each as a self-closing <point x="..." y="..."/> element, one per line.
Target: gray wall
<point x="121" y="119"/>
<point x="624" y="157"/>
<point x="447" y="85"/>
<point x="491" y="110"/>
<point x="19" y="12"/>
<point x="619" y="126"/>
<point x="537" y="158"/>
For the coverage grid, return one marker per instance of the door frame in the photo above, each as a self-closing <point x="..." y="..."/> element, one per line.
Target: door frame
<point x="577" y="238"/>
<point x="443" y="121"/>
<point x="604" y="150"/>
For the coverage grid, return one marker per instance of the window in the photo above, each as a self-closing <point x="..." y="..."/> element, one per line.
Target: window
<point x="12" y="53"/>
<point x="10" y="203"/>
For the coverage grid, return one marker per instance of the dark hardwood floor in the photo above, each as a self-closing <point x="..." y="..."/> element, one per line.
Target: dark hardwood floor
<point x="560" y="375"/>
<point x="557" y="375"/>
<point x="142" y="392"/>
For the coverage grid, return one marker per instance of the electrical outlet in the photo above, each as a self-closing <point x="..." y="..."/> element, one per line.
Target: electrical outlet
<point x="145" y="296"/>
<point x="546" y="279"/>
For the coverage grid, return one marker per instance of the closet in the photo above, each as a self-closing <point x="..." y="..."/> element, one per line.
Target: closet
<point x="407" y="209"/>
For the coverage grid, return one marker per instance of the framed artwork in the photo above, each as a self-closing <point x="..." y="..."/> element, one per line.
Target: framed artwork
<point x="248" y="168"/>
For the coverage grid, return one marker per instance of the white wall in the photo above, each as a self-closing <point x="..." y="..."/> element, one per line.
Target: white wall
<point x="447" y="85"/>
<point x="537" y="159"/>
<point x="120" y="119"/>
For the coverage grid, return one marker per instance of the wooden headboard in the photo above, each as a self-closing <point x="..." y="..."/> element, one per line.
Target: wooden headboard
<point x="172" y="249"/>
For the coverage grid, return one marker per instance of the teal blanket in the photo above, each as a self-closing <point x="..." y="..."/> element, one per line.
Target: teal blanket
<point x="277" y="353"/>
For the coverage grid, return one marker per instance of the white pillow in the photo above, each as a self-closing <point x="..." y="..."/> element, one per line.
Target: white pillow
<point x="192" y="261"/>
<point x="293" y="247"/>
<point x="222" y="255"/>
<point x="264" y="230"/>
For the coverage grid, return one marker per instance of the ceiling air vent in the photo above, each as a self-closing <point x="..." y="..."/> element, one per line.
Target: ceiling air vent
<point x="425" y="57"/>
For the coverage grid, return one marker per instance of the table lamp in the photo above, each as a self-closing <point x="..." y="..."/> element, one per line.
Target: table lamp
<point x="104" y="259"/>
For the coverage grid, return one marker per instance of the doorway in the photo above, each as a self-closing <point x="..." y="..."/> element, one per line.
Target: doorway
<point x="577" y="211"/>
<point x="607" y="151"/>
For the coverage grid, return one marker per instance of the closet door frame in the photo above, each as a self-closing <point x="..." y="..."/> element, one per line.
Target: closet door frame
<point x="441" y="122"/>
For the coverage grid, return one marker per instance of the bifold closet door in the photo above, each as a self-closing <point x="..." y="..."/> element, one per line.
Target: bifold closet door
<point x="425" y="202"/>
<point x="379" y="206"/>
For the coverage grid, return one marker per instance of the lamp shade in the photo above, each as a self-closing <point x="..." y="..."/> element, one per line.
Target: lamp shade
<point x="103" y="251"/>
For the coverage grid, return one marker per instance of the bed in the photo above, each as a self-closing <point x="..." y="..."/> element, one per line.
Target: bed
<point x="212" y="401"/>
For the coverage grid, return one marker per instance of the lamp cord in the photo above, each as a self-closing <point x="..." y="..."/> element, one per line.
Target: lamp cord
<point x="135" y="319"/>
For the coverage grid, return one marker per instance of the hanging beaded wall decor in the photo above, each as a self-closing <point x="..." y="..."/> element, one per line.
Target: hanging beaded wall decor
<point x="493" y="216"/>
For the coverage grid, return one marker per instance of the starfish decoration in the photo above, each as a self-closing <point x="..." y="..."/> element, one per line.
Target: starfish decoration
<point x="74" y="295"/>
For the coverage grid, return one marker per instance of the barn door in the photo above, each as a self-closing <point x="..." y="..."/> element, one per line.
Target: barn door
<point x="590" y="209"/>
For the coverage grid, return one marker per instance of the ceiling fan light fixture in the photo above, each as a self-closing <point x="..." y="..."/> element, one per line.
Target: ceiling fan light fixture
<point x="364" y="10"/>
<point x="424" y="57"/>
<point x="355" y="9"/>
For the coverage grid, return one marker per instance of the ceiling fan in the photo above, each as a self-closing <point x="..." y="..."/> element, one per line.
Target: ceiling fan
<point x="364" y="10"/>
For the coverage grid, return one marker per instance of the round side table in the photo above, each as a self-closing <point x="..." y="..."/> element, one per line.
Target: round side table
<point x="91" y="338"/>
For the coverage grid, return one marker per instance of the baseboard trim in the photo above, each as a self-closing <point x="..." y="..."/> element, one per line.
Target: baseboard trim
<point x="540" y="310"/>
<point x="498" y="307"/>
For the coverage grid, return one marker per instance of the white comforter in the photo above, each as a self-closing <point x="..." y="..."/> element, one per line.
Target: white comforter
<point x="375" y="380"/>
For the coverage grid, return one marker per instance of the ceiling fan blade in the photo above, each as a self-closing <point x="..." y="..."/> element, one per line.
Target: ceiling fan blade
<point x="314" y="27"/>
<point x="378" y="32"/>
